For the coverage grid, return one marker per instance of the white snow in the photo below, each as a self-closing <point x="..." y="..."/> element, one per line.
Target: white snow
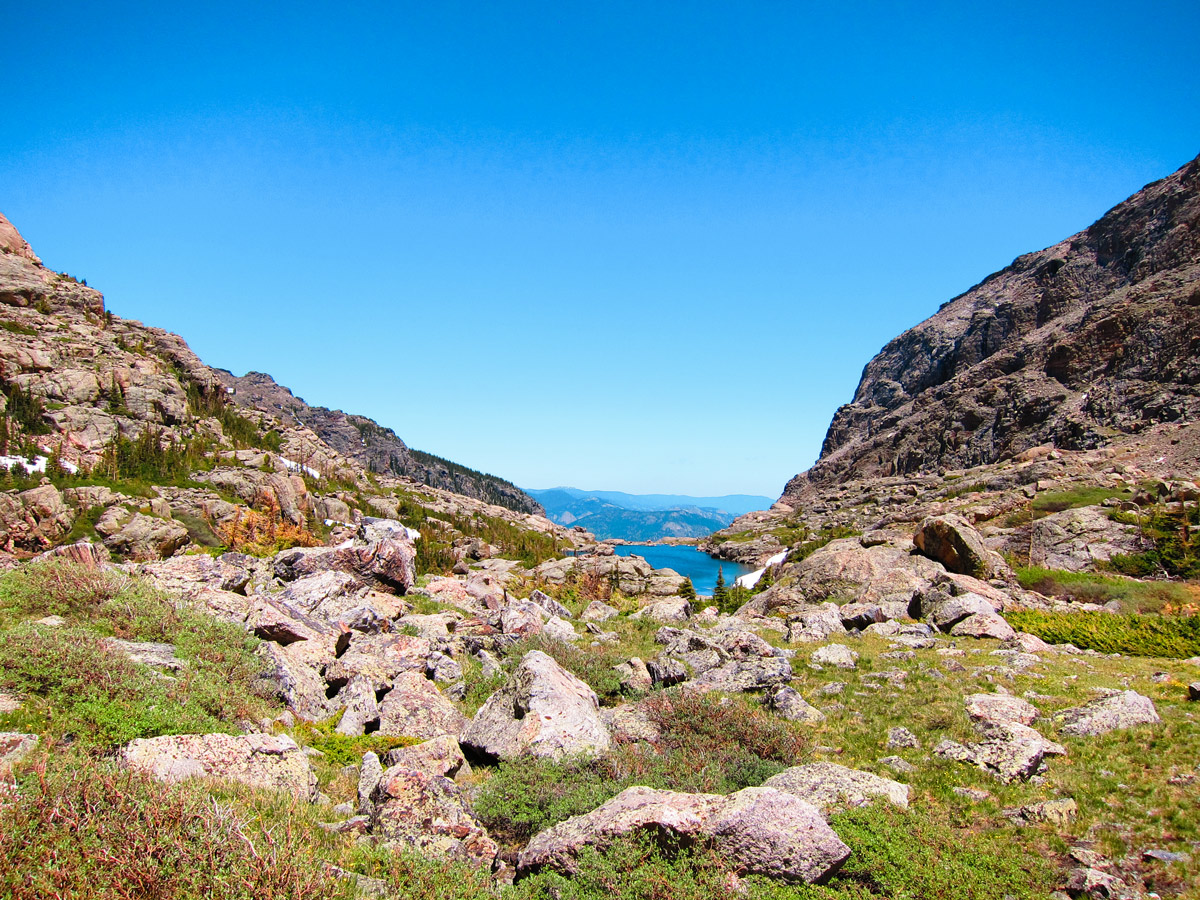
<point x="292" y="466"/>
<point x="37" y="464"/>
<point x="751" y="579"/>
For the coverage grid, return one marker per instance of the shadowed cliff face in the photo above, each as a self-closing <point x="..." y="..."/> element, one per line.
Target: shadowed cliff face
<point x="1095" y="336"/>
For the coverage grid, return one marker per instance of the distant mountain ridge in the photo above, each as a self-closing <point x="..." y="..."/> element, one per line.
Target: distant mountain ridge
<point x="730" y="503"/>
<point x="643" y="517"/>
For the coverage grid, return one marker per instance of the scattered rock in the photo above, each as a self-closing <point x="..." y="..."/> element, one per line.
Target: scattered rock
<point x="14" y="747"/>
<point x="898" y="764"/>
<point x="901" y="738"/>
<point x="788" y="703"/>
<point x="550" y="605"/>
<point x="838" y="655"/>
<point x="1059" y="812"/>
<point x="599" y="611"/>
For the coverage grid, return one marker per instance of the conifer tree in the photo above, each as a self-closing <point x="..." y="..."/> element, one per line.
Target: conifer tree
<point x="719" y="591"/>
<point x="687" y="590"/>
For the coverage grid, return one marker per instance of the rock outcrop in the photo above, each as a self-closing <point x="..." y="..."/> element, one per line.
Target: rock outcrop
<point x="1066" y="346"/>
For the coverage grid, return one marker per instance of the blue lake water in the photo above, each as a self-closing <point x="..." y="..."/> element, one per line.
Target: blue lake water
<point x="688" y="561"/>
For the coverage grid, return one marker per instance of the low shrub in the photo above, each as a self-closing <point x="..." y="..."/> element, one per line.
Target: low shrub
<point x="1173" y="637"/>
<point x="97" y="832"/>
<point x="1092" y="587"/>
<point x="84" y="691"/>
<point x="343" y="749"/>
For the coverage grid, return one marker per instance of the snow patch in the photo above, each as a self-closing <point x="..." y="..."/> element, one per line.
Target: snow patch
<point x="292" y="466"/>
<point x="36" y="464"/>
<point x="751" y="579"/>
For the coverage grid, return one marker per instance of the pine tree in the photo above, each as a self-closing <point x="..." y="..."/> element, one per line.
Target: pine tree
<point x="719" y="591"/>
<point x="687" y="590"/>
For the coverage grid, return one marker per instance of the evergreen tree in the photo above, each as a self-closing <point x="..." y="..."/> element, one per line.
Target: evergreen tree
<point x="719" y="591"/>
<point x="687" y="590"/>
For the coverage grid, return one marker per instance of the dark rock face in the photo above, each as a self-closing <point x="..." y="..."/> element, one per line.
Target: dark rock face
<point x="372" y="445"/>
<point x="1097" y="335"/>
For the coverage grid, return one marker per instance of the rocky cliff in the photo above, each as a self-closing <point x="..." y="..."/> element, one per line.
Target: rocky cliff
<point x="1073" y="345"/>
<point x="377" y="448"/>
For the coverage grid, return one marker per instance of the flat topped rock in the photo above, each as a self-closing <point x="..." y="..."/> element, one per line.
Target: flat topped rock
<point x="259" y="760"/>
<point x="1127" y="709"/>
<point x="829" y="786"/>
<point x="996" y="709"/>
<point x="759" y="831"/>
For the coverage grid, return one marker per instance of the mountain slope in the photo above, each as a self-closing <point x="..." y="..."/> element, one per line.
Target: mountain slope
<point x="374" y="446"/>
<point x="1094" y="337"/>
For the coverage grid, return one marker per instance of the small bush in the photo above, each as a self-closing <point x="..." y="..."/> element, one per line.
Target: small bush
<point x="1135" y="635"/>
<point x="706" y="746"/>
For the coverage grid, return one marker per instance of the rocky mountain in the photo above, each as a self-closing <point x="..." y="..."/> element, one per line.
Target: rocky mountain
<point x="1074" y="345"/>
<point x="116" y="431"/>
<point x="374" y="446"/>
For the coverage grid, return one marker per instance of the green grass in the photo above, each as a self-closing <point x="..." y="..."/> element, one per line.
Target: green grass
<point x="1093" y="587"/>
<point x="1171" y="637"/>
<point x="1057" y="501"/>
<point x="346" y="750"/>
<point x="79" y="689"/>
<point x="18" y="328"/>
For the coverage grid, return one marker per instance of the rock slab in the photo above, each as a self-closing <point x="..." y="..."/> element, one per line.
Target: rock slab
<point x="757" y="831"/>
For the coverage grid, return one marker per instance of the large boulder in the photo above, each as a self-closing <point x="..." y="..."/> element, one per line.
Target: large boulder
<point x="259" y="760"/>
<point x="137" y="536"/>
<point x="414" y="707"/>
<point x="954" y="542"/>
<point x="428" y="813"/>
<point x="829" y="786"/>
<point x="1075" y="539"/>
<point x="757" y="831"/>
<point x="543" y="710"/>
<point x="1127" y="709"/>
<point x="846" y="571"/>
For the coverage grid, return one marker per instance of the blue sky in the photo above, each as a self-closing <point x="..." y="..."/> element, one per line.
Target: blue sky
<point x="625" y="246"/>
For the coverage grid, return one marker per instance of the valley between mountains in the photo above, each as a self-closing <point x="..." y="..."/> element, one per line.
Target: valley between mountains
<point x="254" y="648"/>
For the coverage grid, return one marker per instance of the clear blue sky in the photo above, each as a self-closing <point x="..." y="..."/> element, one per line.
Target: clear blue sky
<point x="632" y="246"/>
